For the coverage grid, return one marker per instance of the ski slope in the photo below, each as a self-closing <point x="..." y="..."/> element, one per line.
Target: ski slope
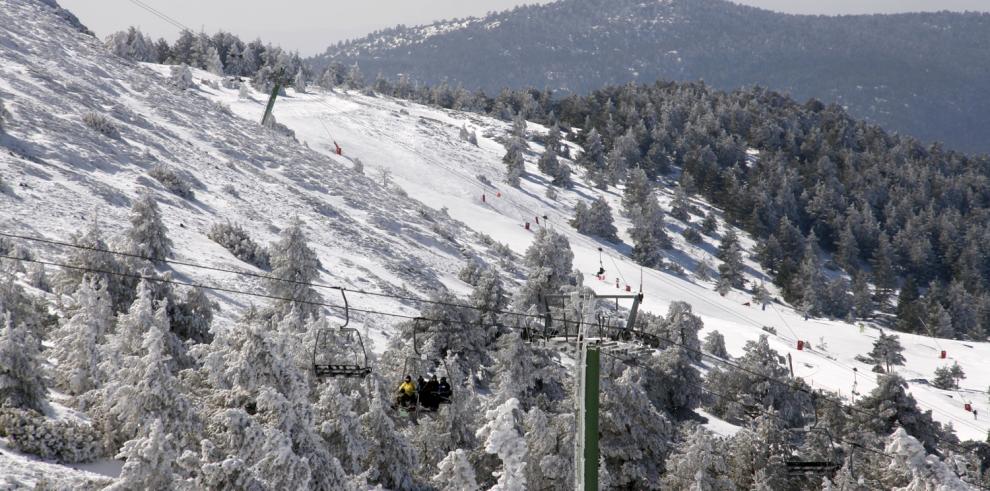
<point x="421" y="149"/>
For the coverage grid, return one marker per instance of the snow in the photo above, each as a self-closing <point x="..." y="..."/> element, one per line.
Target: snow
<point x="60" y="175"/>
<point x="420" y="147"/>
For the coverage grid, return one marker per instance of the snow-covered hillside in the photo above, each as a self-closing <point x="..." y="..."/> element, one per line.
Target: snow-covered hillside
<point x="422" y="151"/>
<point x="411" y="235"/>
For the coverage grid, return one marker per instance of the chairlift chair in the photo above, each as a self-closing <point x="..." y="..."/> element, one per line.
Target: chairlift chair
<point x="340" y="352"/>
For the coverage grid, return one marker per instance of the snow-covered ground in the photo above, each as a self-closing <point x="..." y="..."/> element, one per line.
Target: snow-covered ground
<point x="421" y="149"/>
<point x="58" y="175"/>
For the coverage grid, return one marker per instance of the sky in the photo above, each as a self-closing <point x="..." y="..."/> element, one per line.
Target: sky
<point x="309" y="26"/>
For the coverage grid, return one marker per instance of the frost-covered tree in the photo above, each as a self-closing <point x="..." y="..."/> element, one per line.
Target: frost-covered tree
<point x="489" y="295"/>
<point x="88" y="256"/>
<point x="888" y="406"/>
<point x="502" y="436"/>
<point x="295" y="264"/>
<point x="299" y="81"/>
<point x="133" y="45"/>
<point x="709" y="226"/>
<point x="148" y="462"/>
<point x="698" y="464"/>
<point x="948" y="377"/>
<point x="244" y="91"/>
<point x="923" y="471"/>
<point x="548" y="163"/>
<point x="761" y="296"/>
<point x="730" y="271"/>
<point x="339" y="424"/>
<point x="756" y="455"/>
<point x="549" y="260"/>
<point x="812" y="281"/>
<point x="181" y="77"/>
<point x="887" y="351"/>
<point x="455" y="473"/>
<point x="128" y="336"/>
<point x="515" y="166"/>
<point x="637" y="191"/>
<point x="593" y="159"/>
<point x="148" y="236"/>
<point x="648" y="234"/>
<point x="145" y="388"/>
<point x="235" y="239"/>
<point x="77" y="345"/>
<point x="514" y="368"/>
<point x="549" y="449"/>
<point x="715" y="344"/>
<point x="680" y="206"/>
<point x="595" y="220"/>
<point x="22" y="384"/>
<point x="390" y="458"/>
<point x="634" y="435"/>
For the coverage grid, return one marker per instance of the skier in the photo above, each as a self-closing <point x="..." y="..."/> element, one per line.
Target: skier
<point x="443" y="391"/>
<point x="407" y="392"/>
<point x="975" y="412"/>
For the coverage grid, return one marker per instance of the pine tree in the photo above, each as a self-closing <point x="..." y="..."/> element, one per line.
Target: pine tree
<point x="812" y="279"/>
<point x="595" y="220"/>
<point x="149" y="461"/>
<point x="148" y="236"/>
<point x="710" y="224"/>
<point x="389" y="457"/>
<point x="562" y="177"/>
<point x="489" y="294"/>
<point x="455" y="473"/>
<point x="77" y="345"/>
<point x="593" y="159"/>
<point x="515" y="166"/>
<point x="887" y="351"/>
<point x="515" y="373"/>
<point x="503" y="437"/>
<point x="884" y="274"/>
<point x="947" y="378"/>
<point x="649" y="237"/>
<point x="924" y="471"/>
<point x="848" y="253"/>
<point x="637" y="192"/>
<point x="299" y="82"/>
<point x="549" y="261"/>
<point x="295" y="265"/>
<point x="549" y="449"/>
<point x="22" y="384"/>
<point x="761" y="296"/>
<point x="889" y="405"/>
<point x="730" y="253"/>
<point x="756" y="455"/>
<point x="863" y="305"/>
<point x="548" y="163"/>
<point x="633" y="433"/>
<point x="680" y="206"/>
<point x="697" y="465"/>
<point x="715" y="344"/>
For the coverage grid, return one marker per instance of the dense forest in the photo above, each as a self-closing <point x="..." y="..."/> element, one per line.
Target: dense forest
<point x="919" y="74"/>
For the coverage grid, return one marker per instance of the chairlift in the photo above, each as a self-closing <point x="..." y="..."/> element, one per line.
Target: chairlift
<point x="340" y="352"/>
<point x="413" y="366"/>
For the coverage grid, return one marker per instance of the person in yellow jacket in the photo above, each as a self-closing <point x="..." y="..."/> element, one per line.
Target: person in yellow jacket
<point x="407" y="392"/>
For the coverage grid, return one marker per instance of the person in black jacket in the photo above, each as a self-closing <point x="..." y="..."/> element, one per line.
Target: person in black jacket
<point x="443" y="391"/>
<point x="430" y="394"/>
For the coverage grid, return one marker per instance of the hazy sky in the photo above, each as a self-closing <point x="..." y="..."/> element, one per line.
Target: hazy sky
<point x="309" y="26"/>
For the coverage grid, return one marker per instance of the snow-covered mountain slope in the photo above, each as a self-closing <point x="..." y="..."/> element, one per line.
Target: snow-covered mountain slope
<point x="421" y="149"/>
<point x="58" y="174"/>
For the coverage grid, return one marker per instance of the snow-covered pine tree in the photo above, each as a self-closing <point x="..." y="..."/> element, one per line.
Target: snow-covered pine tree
<point x="131" y="327"/>
<point x="888" y="406"/>
<point x="390" y="458"/>
<point x="148" y="236"/>
<point x="637" y="192"/>
<point x="299" y="82"/>
<point x="549" y="260"/>
<point x="355" y="79"/>
<point x="593" y="159"/>
<point x="924" y="471"/>
<point x="887" y="351"/>
<point x="680" y="206"/>
<point x="634" y="435"/>
<point x="503" y="437"/>
<point x="455" y="473"/>
<point x="88" y="257"/>
<point x="761" y="296"/>
<point x="595" y="220"/>
<point x="144" y="388"/>
<point x="730" y="271"/>
<point x="948" y="377"/>
<point x="489" y="295"/>
<point x="697" y="464"/>
<point x="148" y="461"/>
<point x="549" y="449"/>
<point x="515" y="166"/>
<point x="77" y="343"/>
<point x="515" y="374"/>
<point x="715" y="344"/>
<point x="548" y="163"/>
<point x="709" y="226"/>
<point x="22" y="384"/>
<point x="812" y="280"/>
<point x="562" y="177"/>
<point x="756" y="454"/>
<point x="181" y="77"/>
<point x="648" y="234"/>
<point x="294" y="263"/>
<point x="339" y="424"/>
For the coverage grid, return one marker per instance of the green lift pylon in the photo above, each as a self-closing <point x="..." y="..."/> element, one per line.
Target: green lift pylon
<point x="271" y="98"/>
<point x="586" y="449"/>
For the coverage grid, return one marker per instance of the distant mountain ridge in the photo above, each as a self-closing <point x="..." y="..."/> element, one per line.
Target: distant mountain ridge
<point x="921" y="74"/>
